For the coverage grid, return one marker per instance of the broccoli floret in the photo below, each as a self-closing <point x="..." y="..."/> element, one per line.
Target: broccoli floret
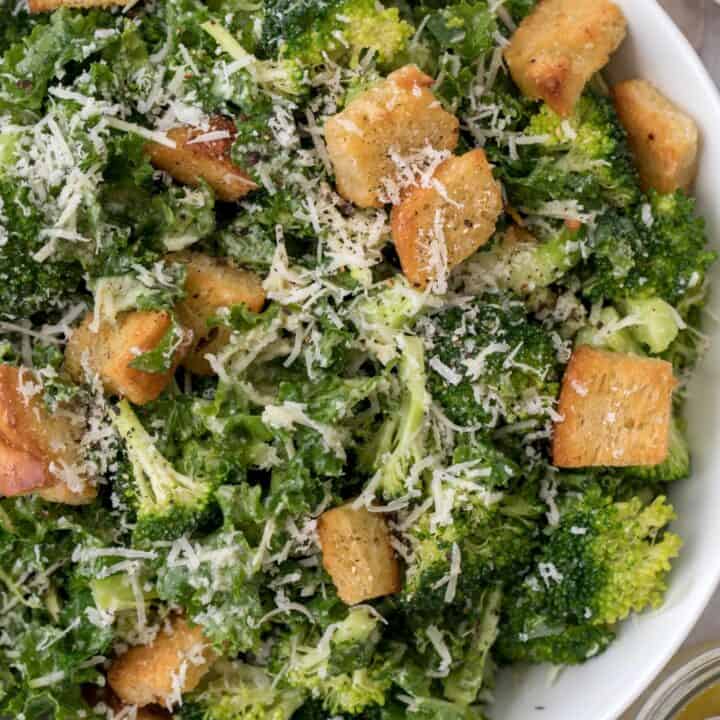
<point x="312" y="30"/>
<point x="491" y="538"/>
<point x="608" y="331"/>
<point x="656" y="323"/>
<point x="656" y="249"/>
<point x="584" y="157"/>
<point x="116" y="593"/>
<point x="238" y="691"/>
<point x="489" y="361"/>
<point x="168" y="503"/>
<point x="27" y="285"/>
<point x="399" y="443"/>
<point x="346" y="669"/>
<point x="521" y="262"/>
<point x="465" y="681"/>
<point x="380" y="315"/>
<point x="283" y="76"/>
<point x="676" y="465"/>
<point x="603" y="561"/>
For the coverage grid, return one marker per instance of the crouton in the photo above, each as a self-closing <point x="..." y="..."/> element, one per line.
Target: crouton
<point x="615" y="410"/>
<point x="109" y="352"/>
<point x="212" y="283"/>
<point x="39" y="6"/>
<point x="357" y="553"/>
<point x="459" y="211"/>
<point x="400" y="115"/>
<point x="560" y="46"/>
<point x="39" y="450"/>
<point x="193" y="160"/>
<point x="663" y="139"/>
<point x="174" y="663"/>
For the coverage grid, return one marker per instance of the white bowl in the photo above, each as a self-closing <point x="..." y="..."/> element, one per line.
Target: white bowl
<point x="604" y="687"/>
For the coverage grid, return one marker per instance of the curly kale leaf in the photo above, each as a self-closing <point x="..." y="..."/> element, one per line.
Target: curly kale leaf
<point x="28" y="66"/>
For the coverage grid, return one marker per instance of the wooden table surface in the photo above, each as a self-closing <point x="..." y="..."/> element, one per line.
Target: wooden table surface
<point x="700" y="19"/>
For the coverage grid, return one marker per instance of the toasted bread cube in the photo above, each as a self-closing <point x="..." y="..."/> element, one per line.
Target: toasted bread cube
<point x="109" y="352"/>
<point x="663" y="138"/>
<point x="175" y="661"/>
<point x="401" y="114"/>
<point x="193" y="160"/>
<point x="211" y="284"/>
<point x="39" y="450"/>
<point x="357" y="553"/>
<point x="616" y="410"/>
<point x="560" y="46"/>
<point x="39" y="6"/>
<point x="459" y="210"/>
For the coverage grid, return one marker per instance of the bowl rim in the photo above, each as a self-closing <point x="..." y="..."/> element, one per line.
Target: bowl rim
<point x="711" y="92"/>
<point x="516" y="690"/>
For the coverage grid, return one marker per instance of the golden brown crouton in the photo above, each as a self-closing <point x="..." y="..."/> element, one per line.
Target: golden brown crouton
<point x="38" y="6"/>
<point x="109" y="352"/>
<point x="192" y="160"/>
<point x="615" y="408"/>
<point x="400" y="115"/>
<point x="39" y="450"/>
<point x="174" y="663"/>
<point x="458" y="213"/>
<point x="560" y="46"/>
<point x="357" y="553"/>
<point x="664" y="140"/>
<point x="212" y="283"/>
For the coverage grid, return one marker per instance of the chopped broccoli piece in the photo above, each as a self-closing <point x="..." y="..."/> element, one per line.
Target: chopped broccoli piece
<point x="657" y="249"/>
<point x="168" y="503"/>
<point x="489" y="361"/>
<point x="603" y="561"/>
<point x="383" y="312"/>
<point x="465" y="681"/>
<point x="584" y="158"/>
<point x="676" y="465"/>
<point x="521" y="262"/>
<point x="312" y="30"/>
<point x="116" y="593"/>
<point x="491" y="537"/>
<point x="399" y="443"/>
<point x="346" y="669"/>
<point x="29" y="286"/>
<point x="284" y="76"/>
<point x="610" y="332"/>
<point x="238" y="691"/>
<point x="657" y="322"/>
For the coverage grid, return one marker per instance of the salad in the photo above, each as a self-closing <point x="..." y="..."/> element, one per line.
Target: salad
<point x="343" y="349"/>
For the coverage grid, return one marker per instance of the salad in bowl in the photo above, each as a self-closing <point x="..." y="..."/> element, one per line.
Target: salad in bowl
<point x="343" y="352"/>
